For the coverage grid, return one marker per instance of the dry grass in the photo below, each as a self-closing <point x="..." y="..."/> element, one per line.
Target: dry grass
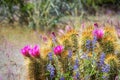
<point x="11" y="41"/>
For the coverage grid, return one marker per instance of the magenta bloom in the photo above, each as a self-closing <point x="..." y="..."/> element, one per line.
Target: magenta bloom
<point x="95" y="25"/>
<point x="83" y="25"/>
<point x="35" y="51"/>
<point x="99" y="33"/>
<point x="53" y="34"/>
<point x="25" y="50"/>
<point x="58" y="50"/>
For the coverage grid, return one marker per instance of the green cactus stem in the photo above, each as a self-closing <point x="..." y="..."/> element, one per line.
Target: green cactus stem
<point x="74" y="43"/>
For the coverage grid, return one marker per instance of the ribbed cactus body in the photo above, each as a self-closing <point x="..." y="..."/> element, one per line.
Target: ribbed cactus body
<point x="31" y="68"/>
<point x="86" y="35"/>
<point x="36" y="70"/>
<point x="114" y="70"/>
<point x="107" y="47"/>
<point x="75" y="44"/>
<point x="66" y="44"/>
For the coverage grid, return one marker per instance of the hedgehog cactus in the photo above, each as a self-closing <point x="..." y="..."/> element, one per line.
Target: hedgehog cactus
<point x="30" y="63"/>
<point x="74" y="40"/>
<point x="34" y="69"/>
<point x="113" y="61"/>
<point x="85" y="46"/>
<point x="86" y="35"/>
<point x="34" y="63"/>
<point x="107" y="44"/>
<point x="107" y="47"/>
<point x="108" y="38"/>
<point x="67" y="45"/>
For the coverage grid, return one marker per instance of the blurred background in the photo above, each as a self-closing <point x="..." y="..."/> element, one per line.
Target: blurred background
<point x="25" y="21"/>
<point x="42" y="14"/>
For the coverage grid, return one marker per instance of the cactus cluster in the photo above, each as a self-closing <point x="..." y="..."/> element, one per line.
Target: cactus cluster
<point x="90" y="54"/>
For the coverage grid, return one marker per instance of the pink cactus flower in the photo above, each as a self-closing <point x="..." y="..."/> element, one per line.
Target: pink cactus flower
<point x="58" y="50"/>
<point x="25" y="50"/>
<point x="118" y="33"/>
<point x="99" y="33"/>
<point x="61" y="32"/>
<point x="53" y="34"/>
<point x="35" y="51"/>
<point x="83" y="25"/>
<point x="96" y="25"/>
<point x="68" y="28"/>
<point x="44" y="38"/>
